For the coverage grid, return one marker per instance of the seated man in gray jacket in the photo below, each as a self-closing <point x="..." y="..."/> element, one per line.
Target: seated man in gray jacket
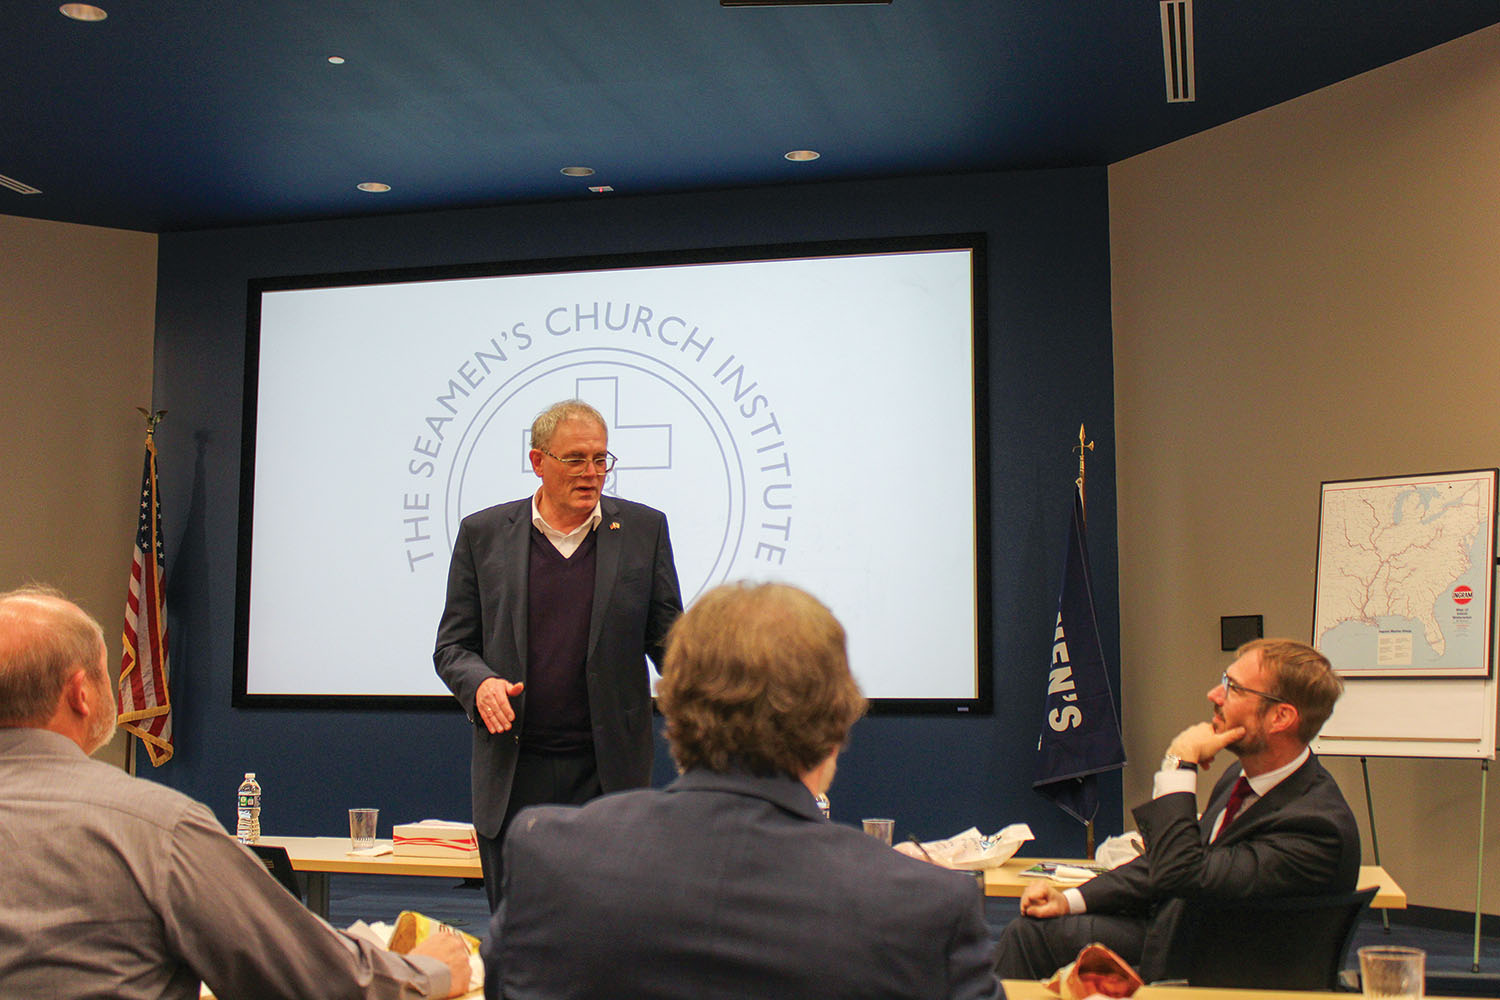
<point x="730" y="882"/>
<point x="122" y="888"/>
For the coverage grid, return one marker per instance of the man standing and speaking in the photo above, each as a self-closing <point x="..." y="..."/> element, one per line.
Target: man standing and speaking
<point x="554" y="603"/>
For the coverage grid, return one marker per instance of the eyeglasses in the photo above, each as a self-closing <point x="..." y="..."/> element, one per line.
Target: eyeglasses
<point x="1230" y="684"/>
<point x="583" y="466"/>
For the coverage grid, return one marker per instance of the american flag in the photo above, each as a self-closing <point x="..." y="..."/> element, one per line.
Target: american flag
<point x="144" y="704"/>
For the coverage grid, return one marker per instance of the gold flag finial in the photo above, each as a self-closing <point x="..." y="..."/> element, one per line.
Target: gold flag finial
<point x="1083" y="445"/>
<point x="152" y="419"/>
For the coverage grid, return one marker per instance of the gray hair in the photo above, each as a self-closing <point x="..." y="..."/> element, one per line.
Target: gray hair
<point x="549" y="420"/>
<point x="44" y="639"/>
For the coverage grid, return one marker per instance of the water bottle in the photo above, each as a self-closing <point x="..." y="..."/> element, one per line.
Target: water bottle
<point x="248" y="829"/>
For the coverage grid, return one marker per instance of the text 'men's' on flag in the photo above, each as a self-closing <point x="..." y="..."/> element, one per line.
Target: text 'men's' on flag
<point x="144" y="705"/>
<point x="1080" y="730"/>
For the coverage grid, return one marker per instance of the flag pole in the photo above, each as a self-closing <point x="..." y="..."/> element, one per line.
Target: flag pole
<point x="142" y="696"/>
<point x="152" y="419"/>
<point x="1084" y="445"/>
<point x="1080" y="732"/>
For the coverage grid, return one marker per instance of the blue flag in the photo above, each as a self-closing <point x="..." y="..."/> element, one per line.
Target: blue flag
<point x="1080" y="730"/>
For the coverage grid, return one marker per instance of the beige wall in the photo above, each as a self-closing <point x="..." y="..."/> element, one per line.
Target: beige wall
<point x="77" y="321"/>
<point x="1308" y="293"/>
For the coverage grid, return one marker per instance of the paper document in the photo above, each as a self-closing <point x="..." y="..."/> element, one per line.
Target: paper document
<point x="973" y="850"/>
<point x="371" y="852"/>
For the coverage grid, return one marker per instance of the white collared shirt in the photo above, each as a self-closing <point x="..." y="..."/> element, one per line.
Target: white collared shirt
<point x="565" y="543"/>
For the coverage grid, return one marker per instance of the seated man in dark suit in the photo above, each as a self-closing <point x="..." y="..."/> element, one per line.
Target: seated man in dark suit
<point x="730" y="882"/>
<point x="1276" y="825"/>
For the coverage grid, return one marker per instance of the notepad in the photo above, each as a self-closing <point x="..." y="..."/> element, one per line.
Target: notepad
<point x="371" y="852"/>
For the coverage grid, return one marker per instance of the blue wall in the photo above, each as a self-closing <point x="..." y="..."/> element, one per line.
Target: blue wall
<point x="1050" y="356"/>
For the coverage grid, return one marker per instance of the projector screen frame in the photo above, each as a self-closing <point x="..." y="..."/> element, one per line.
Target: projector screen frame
<point x="982" y="704"/>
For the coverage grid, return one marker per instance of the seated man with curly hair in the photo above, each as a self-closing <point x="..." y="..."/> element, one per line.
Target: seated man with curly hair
<point x="730" y="882"/>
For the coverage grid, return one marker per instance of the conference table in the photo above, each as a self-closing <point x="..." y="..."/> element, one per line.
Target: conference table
<point x="319" y="857"/>
<point x="1007" y="881"/>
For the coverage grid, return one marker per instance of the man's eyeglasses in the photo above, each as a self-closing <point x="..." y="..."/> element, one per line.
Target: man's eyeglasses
<point x="583" y="466"/>
<point x="1230" y="684"/>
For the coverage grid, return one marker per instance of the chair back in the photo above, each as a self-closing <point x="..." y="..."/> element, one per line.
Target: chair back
<point x="1287" y="943"/>
<point x="279" y="864"/>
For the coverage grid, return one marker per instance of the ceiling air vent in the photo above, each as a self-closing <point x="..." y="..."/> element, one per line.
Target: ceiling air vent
<point x="18" y="186"/>
<point x="803" y="3"/>
<point x="1177" y="49"/>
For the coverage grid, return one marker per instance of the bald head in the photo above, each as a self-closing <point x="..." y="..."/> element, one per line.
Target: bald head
<point x="45" y="640"/>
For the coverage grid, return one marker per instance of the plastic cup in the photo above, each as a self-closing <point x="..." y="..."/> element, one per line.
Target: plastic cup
<point x="881" y="829"/>
<point x="362" y="827"/>
<point x="1392" y="972"/>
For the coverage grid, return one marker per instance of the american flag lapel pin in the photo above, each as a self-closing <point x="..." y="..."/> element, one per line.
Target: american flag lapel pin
<point x="614" y="526"/>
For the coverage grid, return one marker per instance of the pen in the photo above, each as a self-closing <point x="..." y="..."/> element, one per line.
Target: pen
<point x="913" y="838"/>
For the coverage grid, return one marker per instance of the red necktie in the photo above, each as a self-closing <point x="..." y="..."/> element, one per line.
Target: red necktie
<point x="1236" y="799"/>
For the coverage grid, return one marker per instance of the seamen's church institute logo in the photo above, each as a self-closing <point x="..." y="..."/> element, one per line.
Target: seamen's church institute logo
<point x="693" y="425"/>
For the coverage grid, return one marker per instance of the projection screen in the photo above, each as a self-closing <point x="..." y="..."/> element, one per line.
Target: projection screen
<point x="814" y="414"/>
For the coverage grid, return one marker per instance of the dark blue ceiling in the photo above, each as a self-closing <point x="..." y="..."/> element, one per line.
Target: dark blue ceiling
<point x="186" y="114"/>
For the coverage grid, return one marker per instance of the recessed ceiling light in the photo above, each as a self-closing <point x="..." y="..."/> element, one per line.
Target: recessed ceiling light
<point x="578" y="171"/>
<point x="803" y="155"/>
<point x="83" y="12"/>
<point x="375" y="187"/>
<point x="336" y="60"/>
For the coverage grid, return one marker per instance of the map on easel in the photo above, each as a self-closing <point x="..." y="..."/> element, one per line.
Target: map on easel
<point x="1405" y="575"/>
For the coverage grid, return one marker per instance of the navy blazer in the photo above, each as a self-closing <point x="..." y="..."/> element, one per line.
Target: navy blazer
<point x="482" y="634"/>
<point x="727" y="886"/>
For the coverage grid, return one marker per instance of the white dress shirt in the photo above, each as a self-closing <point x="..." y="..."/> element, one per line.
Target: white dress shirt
<point x="565" y="542"/>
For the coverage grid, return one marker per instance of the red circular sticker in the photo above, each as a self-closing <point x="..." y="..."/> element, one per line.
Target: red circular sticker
<point x="1462" y="594"/>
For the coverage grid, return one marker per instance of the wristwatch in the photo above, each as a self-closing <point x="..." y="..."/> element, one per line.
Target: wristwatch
<point x="1172" y="762"/>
